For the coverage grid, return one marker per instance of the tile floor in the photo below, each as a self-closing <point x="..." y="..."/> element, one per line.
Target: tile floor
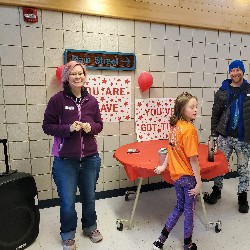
<point x="152" y="210"/>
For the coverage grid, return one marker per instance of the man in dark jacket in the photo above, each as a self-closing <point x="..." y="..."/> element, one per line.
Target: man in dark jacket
<point x="230" y="124"/>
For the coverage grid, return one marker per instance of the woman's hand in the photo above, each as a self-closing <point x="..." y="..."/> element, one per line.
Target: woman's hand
<point x="75" y="126"/>
<point x="86" y="127"/>
<point x="159" y="169"/>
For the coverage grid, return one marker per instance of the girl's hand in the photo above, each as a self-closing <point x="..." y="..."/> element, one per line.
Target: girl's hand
<point x="159" y="169"/>
<point x="75" y="126"/>
<point x="195" y="191"/>
<point x="86" y="127"/>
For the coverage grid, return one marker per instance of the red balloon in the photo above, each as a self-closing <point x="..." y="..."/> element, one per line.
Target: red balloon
<point x="59" y="73"/>
<point x="145" y="81"/>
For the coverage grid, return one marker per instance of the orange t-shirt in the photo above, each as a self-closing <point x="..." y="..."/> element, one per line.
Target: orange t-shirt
<point x="183" y="143"/>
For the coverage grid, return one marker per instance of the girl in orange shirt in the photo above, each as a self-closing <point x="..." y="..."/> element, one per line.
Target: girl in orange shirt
<point x="183" y="165"/>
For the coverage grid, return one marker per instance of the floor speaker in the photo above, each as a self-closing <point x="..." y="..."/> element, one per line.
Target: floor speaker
<point x="19" y="212"/>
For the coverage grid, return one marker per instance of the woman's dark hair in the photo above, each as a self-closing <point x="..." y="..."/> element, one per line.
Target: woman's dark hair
<point x="180" y="104"/>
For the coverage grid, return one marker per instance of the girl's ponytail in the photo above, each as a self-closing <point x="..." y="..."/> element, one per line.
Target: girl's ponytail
<point x="173" y="120"/>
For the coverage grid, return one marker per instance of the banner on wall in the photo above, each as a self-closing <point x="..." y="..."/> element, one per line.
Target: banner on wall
<point x="152" y="118"/>
<point x="101" y="59"/>
<point x="113" y="94"/>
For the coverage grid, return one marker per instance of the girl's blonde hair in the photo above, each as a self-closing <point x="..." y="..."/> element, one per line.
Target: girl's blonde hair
<point x="180" y="104"/>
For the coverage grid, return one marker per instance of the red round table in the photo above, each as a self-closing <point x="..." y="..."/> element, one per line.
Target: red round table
<point x="142" y="164"/>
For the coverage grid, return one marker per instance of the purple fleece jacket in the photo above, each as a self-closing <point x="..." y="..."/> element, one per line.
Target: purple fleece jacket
<point x="61" y="112"/>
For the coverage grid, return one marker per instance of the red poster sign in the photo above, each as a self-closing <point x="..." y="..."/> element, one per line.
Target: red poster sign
<point x="152" y="118"/>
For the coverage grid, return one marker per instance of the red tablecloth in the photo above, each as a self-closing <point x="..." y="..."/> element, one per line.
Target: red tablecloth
<point x="142" y="164"/>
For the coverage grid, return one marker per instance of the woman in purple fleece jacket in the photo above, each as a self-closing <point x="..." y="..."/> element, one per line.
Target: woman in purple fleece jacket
<point x="73" y="118"/>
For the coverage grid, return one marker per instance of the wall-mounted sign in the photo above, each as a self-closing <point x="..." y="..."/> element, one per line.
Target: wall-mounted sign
<point x="102" y="59"/>
<point x="113" y="94"/>
<point x="152" y="118"/>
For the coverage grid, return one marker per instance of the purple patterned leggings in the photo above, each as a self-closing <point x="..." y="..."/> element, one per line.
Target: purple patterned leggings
<point x="185" y="203"/>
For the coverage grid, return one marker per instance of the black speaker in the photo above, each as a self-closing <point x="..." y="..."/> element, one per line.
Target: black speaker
<point x="19" y="212"/>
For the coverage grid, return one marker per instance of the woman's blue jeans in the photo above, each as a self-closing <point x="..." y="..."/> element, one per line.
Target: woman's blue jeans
<point x="68" y="174"/>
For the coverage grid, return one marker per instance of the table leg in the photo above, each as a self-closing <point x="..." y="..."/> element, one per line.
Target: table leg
<point x="217" y="224"/>
<point x="135" y="203"/>
<point x="119" y="222"/>
<point x="204" y="209"/>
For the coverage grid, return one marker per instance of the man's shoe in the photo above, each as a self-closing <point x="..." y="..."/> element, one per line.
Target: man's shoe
<point x="95" y="235"/>
<point x="243" y="203"/>
<point x="213" y="197"/>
